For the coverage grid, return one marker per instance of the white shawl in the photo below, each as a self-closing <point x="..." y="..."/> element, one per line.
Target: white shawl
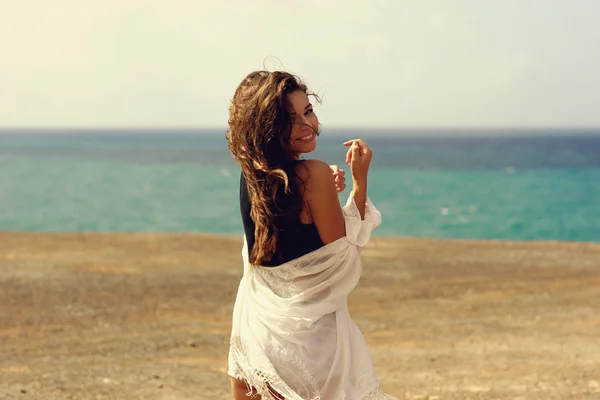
<point x="292" y="333"/>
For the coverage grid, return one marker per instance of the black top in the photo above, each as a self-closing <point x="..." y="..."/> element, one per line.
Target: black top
<point x="295" y="238"/>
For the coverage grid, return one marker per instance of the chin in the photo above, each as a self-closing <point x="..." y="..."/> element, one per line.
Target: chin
<point x="307" y="149"/>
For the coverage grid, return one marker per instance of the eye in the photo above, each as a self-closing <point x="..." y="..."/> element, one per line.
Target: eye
<point x="309" y="111"/>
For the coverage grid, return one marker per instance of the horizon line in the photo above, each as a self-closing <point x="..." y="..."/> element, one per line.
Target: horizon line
<point x="337" y="128"/>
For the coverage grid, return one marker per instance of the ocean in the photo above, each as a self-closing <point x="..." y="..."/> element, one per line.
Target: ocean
<point x="479" y="184"/>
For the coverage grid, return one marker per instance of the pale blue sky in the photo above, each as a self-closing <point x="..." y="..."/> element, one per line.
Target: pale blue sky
<point x="150" y="63"/>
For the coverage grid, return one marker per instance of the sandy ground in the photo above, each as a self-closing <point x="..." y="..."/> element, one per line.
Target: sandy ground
<point x="148" y="317"/>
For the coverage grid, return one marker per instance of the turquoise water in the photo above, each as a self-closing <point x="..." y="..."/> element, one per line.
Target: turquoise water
<point x="532" y="185"/>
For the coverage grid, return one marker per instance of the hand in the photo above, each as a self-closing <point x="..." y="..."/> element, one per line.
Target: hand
<point x="340" y="179"/>
<point x="359" y="158"/>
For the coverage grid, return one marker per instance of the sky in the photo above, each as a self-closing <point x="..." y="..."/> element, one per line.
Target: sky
<point x="376" y="63"/>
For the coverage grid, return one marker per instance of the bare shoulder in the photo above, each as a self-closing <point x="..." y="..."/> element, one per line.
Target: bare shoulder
<point x="316" y="176"/>
<point x="322" y="199"/>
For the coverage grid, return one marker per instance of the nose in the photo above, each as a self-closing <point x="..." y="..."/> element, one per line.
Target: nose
<point x="304" y="123"/>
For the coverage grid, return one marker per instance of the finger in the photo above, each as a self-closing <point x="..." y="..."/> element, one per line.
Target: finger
<point x="367" y="153"/>
<point x="341" y="173"/>
<point x="350" y="142"/>
<point x="359" y="142"/>
<point x="349" y="156"/>
<point x="355" y="151"/>
<point x="363" y="146"/>
<point x="334" y="168"/>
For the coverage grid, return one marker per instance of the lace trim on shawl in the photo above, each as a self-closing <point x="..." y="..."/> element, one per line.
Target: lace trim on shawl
<point x="265" y="384"/>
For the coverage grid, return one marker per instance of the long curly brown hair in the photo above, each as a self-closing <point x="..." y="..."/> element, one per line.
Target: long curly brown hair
<point x="259" y="140"/>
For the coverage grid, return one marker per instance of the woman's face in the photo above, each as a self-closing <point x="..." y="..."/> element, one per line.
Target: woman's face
<point x="305" y="124"/>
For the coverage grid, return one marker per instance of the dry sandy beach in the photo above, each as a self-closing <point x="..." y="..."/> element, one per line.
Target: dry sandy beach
<point x="147" y="316"/>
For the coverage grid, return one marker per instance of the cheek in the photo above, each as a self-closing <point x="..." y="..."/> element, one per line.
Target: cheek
<point x="294" y="132"/>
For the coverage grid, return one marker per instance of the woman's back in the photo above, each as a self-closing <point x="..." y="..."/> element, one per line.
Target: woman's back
<point x="294" y="240"/>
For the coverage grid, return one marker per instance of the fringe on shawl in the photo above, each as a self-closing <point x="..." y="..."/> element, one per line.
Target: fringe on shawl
<point x="267" y="386"/>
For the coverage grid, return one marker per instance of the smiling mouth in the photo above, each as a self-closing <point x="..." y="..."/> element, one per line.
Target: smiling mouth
<point x="306" y="138"/>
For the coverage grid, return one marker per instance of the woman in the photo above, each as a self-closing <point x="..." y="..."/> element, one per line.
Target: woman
<point x="292" y="337"/>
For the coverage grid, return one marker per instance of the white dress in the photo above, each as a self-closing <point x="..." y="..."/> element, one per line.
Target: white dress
<point x="291" y="328"/>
